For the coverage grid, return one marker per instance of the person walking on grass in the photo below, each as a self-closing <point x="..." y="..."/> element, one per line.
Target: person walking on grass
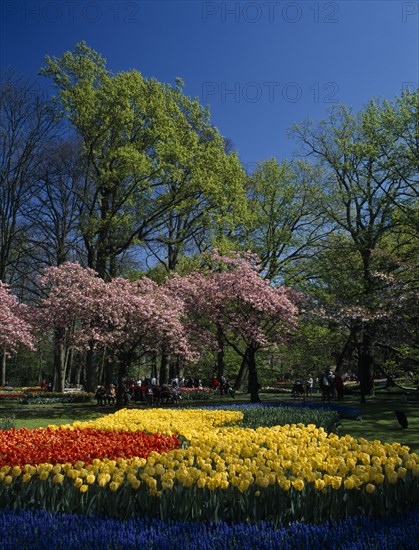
<point x="340" y="387"/>
<point x="325" y="386"/>
<point x="309" y="385"/>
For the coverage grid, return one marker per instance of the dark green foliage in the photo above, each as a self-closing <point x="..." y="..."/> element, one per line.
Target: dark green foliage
<point x="7" y="422"/>
<point x="49" y="398"/>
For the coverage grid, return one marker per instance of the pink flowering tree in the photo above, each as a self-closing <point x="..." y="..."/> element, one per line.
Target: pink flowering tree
<point x="70" y="313"/>
<point x="122" y="317"/>
<point x="15" y="328"/>
<point x="141" y="317"/>
<point x="231" y="299"/>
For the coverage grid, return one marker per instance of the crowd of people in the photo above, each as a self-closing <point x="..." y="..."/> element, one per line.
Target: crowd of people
<point x="146" y="391"/>
<point x="149" y="391"/>
<point x="330" y="383"/>
<point x="331" y="386"/>
<point x="222" y="386"/>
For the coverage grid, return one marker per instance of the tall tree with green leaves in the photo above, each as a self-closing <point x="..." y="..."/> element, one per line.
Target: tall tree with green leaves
<point x="152" y="158"/>
<point x="367" y="169"/>
<point x="283" y="227"/>
<point x="155" y="167"/>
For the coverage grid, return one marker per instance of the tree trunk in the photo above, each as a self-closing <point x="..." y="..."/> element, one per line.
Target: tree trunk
<point x="366" y="365"/>
<point x="123" y="364"/>
<point x="164" y="368"/>
<point x="60" y="359"/>
<point x="78" y="369"/>
<point x="107" y="372"/>
<point x="243" y="372"/>
<point x="220" y="353"/>
<point x="175" y="369"/>
<point x="253" y="376"/>
<point x="3" y="367"/>
<point x="91" y="370"/>
<point x="60" y="368"/>
<point x="153" y="369"/>
<point x="347" y="351"/>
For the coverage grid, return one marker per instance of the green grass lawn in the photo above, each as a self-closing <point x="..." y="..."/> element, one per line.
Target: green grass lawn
<point x="379" y="421"/>
<point x="29" y="416"/>
<point x="378" y="416"/>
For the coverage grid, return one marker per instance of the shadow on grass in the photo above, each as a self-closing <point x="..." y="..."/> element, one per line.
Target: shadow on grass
<point x="28" y="416"/>
<point x="379" y="421"/>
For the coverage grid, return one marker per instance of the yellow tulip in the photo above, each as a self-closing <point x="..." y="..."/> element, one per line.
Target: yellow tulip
<point x="101" y="481"/>
<point x="168" y="484"/>
<point x="285" y="484"/>
<point x="370" y="488"/>
<point x="392" y="477"/>
<point x="378" y="479"/>
<point x="114" y="486"/>
<point x="90" y="479"/>
<point x="58" y="479"/>
<point x="298" y="484"/>
<point x="401" y="473"/>
<point x="8" y="480"/>
<point x="16" y="471"/>
<point x="57" y="469"/>
<point x="26" y="477"/>
<point x="135" y="483"/>
<point x="349" y="483"/>
<point x="78" y="482"/>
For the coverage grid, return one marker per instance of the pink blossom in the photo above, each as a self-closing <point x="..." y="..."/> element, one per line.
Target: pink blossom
<point x="15" y="329"/>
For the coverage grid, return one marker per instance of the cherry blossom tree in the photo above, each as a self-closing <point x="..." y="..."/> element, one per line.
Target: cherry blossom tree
<point x="123" y="317"/>
<point x="140" y="317"/>
<point x="71" y="310"/>
<point x="233" y="299"/>
<point x="15" y="328"/>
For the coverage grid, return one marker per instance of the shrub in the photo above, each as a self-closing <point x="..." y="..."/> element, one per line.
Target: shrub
<point x="196" y="394"/>
<point x="48" y="398"/>
<point x="7" y="422"/>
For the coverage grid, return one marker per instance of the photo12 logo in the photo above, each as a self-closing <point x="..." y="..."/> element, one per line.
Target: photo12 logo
<point x="410" y="12"/>
<point x="269" y="11"/>
<point x="69" y="11"/>
<point x="410" y="87"/>
<point x="268" y="92"/>
<point x="251" y="167"/>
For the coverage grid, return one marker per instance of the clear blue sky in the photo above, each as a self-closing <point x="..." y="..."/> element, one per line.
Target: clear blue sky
<point x="259" y="65"/>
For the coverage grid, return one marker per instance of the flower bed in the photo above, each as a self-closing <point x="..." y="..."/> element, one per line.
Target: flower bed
<point x="26" y="448"/>
<point x="42" y="530"/>
<point x="195" y="394"/>
<point x="224" y="470"/>
<point x="10" y="395"/>
<point x="48" y="398"/>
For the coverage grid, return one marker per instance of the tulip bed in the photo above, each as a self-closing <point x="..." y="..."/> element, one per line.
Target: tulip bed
<point x="204" y="464"/>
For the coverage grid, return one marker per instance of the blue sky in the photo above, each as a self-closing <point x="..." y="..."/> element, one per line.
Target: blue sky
<point x="260" y="65"/>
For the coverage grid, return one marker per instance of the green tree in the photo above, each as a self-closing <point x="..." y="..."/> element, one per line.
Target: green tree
<point x="367" y="173"/>
<point x="283" y="226"/>
<point x="152" y="157"/>
<point x="156" y="171"/>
